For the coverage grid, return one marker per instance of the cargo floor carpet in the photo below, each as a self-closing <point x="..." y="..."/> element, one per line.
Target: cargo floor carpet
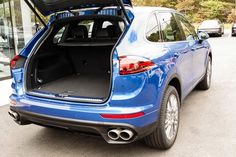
<point x="91" y="86"/>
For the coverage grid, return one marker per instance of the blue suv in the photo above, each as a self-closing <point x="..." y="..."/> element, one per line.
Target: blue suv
<point x="105" y="67"/>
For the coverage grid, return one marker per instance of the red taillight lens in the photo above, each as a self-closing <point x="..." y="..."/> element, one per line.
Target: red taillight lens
<point x="13" y="61"/>
<point x="17" y="62"/>
<point x="123" y="116"/>
<point x="134" y="64"/>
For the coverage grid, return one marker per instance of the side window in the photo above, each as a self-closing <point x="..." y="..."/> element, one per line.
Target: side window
<point x="89" y="25"/>
<point x="106" y="24"/>
<point x="58" y="36"/>
<point x="188" y="30"/>
<point x="169" y="27"/>
<point x="152" y="31"/>
<point x="122" y="26"/>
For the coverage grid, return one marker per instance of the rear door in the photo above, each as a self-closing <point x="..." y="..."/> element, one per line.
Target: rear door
<point x="179" y="47"/>
<point x="197" y="49"/>
<point x="47" y="7"/>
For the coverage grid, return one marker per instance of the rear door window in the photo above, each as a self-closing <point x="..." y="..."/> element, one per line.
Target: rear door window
<point x="188" y="30"/>
<point x="153" y="31"/>
<point x="169" y="27"/>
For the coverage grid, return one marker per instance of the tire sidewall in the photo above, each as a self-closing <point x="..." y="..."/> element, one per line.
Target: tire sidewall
<point x="209" y="62"/>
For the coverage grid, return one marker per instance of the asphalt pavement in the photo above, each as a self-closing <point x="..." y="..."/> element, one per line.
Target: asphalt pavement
<point x="207" y="127"/>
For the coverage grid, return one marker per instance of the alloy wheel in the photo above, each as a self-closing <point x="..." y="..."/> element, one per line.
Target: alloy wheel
<point x="172" y="117"/>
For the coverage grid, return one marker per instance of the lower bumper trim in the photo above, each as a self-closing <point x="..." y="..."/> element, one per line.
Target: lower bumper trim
<point x="84" y="126"/>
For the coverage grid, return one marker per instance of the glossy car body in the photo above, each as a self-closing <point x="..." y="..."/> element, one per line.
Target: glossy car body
<point x="135" y="99"/>
<point x="212" y="27"/>
<point x="234" y="29"/>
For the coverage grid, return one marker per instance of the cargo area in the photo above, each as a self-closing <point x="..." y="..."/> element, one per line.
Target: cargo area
<point x="75" y="60"/>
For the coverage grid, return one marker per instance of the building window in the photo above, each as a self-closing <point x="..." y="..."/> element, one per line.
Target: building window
<point x="17" y="26"/>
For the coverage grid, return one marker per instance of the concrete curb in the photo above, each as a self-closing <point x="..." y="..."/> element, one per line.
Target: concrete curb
<point x="5" y="91"/>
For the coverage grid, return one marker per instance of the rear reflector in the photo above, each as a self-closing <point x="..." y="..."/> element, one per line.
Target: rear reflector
<point x="134" y="64"/>
<point x="123" y="116"/>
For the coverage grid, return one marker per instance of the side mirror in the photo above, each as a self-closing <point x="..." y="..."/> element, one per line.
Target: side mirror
<point x="203" y="36"/>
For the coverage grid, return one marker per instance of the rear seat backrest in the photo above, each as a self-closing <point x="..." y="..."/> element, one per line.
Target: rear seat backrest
<point x="112" y="31"/>
<point x="79" y="32"/>
<point x="103" y="33"/>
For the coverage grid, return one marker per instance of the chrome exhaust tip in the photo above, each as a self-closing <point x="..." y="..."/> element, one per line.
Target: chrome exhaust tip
<point x="126" y="135"/>
<point x="14" y="115"/>
<point x="114" y="134"/>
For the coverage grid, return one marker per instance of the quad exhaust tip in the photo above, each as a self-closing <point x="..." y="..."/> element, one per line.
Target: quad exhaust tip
<point x="116" y="134"/>
<point x="126" y="135"/>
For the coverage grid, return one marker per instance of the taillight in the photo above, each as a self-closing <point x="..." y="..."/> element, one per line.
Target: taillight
<point x="13" y="61"/>
<point x="17" y="62"/>
<point x="134" y="64"/>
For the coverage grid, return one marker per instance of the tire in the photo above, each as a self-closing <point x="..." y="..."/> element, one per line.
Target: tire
<point x="158" y="138"/>
<point x="205" y="84"/>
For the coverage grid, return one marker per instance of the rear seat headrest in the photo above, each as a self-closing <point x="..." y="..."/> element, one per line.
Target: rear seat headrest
<point x="108" y="32"/>
<point x="79" y="32"/>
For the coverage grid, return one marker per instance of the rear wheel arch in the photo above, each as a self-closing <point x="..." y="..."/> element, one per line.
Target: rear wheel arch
<point x="160" y="138"/>
<point x="175" y="82"/>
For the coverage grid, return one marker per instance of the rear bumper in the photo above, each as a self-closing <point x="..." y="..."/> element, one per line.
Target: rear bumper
<point x="84" y="119"/>
<point x="88" y="127"/>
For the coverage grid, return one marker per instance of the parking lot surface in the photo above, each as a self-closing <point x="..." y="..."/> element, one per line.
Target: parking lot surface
<point x="207" y="127"/>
